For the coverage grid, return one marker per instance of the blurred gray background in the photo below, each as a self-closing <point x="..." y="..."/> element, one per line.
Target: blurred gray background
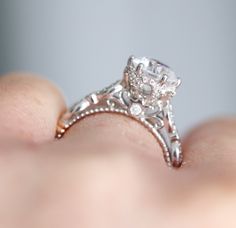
<point x="83" y="45"/>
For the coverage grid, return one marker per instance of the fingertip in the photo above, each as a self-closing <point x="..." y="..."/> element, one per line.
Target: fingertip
<point x="30" y="107"/>
<point x="113" y="131"/>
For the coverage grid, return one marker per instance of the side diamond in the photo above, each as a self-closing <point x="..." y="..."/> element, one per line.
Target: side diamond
<point x="135" y="109"/>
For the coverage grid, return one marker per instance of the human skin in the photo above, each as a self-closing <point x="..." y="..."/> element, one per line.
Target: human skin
<point x="108" y="170"/>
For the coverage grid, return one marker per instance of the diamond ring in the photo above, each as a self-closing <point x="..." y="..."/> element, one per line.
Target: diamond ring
<point x="144" y="94"/>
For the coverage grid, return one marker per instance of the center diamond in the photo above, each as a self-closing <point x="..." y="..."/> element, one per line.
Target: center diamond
<point x="148" y="80"/>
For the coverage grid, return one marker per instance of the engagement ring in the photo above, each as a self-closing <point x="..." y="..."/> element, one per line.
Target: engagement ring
<point x="144" y="94"/>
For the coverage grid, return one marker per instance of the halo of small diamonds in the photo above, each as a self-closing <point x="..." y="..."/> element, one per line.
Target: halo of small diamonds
<point x="148" y="80"/>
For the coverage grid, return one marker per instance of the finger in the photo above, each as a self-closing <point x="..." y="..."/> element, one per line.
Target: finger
<point x="115" y="159"/>
<point x="29" y="108"/>
<point x="110" y="164"/>
<point x="209" y="150"/>
<point x="114" y="131"/>
<point x="211" y="147"/>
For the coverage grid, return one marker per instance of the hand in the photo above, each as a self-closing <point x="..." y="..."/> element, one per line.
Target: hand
<point x="108" y="170"/>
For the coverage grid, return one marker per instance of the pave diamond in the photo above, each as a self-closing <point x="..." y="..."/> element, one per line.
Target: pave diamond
<point x="149" y="80"/>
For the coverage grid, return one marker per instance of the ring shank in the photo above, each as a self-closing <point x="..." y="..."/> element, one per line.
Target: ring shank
<point x="113" y="99"/>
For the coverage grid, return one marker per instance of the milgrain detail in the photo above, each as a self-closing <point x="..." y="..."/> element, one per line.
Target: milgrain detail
<point x="61" y="130"/>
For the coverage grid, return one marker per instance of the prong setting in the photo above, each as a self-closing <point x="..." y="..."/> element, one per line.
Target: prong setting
<point x="130" y="60"/>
